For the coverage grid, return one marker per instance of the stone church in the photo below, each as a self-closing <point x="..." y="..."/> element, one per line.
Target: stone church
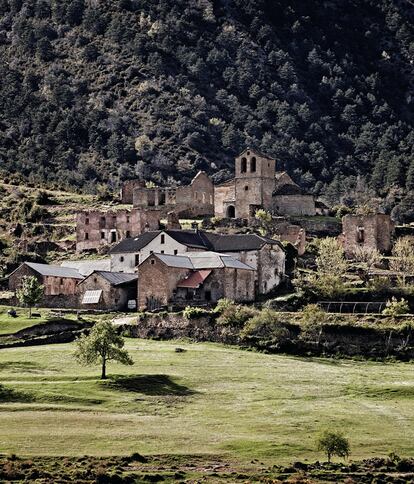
<point x="258" y="185"/>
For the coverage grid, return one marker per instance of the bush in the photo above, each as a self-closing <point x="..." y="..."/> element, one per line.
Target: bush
<point x="333" y="443"/>
<point x="191" y="312"/>
<point x="266" y="325"/>
<point x="396" y="308"/>
<point x="232" y="314"/>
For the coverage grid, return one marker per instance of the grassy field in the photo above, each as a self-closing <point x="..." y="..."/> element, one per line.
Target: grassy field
<point x="209" y="399"/>
<point x="11" y="325"/>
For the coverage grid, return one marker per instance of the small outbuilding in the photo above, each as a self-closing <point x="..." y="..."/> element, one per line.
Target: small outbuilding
<point x="108" y="291"/>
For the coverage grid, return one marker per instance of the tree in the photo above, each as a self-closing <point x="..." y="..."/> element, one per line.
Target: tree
<point x="331" y="258"/>
<point x="265" y="220"/>
<point x="334" y="443"/>
<point x="30" y="292"/>
<point x="103" y="344"/>
<point x="313" y="320"/>
<point x="403" y="258"/>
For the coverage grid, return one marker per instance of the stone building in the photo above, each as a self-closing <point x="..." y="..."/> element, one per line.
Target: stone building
<point x="108" y="291"/>
<point x="59" y="283"/>
<point x="96" y="228"/>
<point x="265" y="255"/>
<point x="372" y="231"/>
<point x="257" y="185"/>
<point x="127" y="190"/>
<point x="194" y="200"/>
<point x="199" y="278"/>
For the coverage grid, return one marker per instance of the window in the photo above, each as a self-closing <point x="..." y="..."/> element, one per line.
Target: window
<point x="86" y="236"/>
<point x="360" y="235"/>
<point x="114" y="219"/>
<point x="61" y="282"/>
<point x="127" y="234"/>
<point x="243" y="166"/>
<point x="121" y="259"/>
<point x="127" y="219"/>
<point x="162" y="252"/>
<point x="102" y="235"/>
<point x="86" y="221"/>
<point x="103" y="220"/>
<point x="136" y="259"/>
<point x="95" y="280"/>
<point x="113" y="236"/>
<point x="175" y="251"/>
<point x="253" y="164"/>
<point x="151" y="251"/>
<point x="162" y="239"/>
<point x="152" y="261"/>
<point x="246" y="188"/>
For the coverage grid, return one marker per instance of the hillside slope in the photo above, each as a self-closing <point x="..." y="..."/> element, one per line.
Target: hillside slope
<point x="103" y="90"/>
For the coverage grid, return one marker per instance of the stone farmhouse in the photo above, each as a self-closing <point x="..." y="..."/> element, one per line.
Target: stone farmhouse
<point x="59" y="283"/>
<point x="257" y="185"/>
<point x="266" y="256"/>
<point x="194" y="200"/>
<point x="370" y="231"/>
<point x="201" y="278"/>
<point x="96" y="228"/>
<point x="110" y="291"/>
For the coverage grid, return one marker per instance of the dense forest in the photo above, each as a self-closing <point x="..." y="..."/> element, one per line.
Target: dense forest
<point x="93" y="91"/>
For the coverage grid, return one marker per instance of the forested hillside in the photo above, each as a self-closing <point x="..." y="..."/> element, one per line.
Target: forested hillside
<point x="102" y="90"/>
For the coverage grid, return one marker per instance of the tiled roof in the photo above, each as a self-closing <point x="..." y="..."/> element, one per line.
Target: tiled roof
<point x="213" y="260"/>
<point x="86" y="267"/>
<point x="195" y="279"/>
<point x="237" y="242"/>
<point x="55" y="271"/>
<point x="180" y="261"/>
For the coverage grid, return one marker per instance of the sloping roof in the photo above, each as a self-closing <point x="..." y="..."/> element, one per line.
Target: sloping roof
<point x="213" y="260"/>
<point x="195" y="279"/>
<point x="179" y="261"/>
<point x="86" y="267"/>
<point x="237" y="242"/>
<point x="255" y="152"/>
<point x="198" y="240"/>
<point x="117" y="278"/>
<point x="134" y="244"/>
<point x="55" y="271"/>
<point x="288" y="189"/>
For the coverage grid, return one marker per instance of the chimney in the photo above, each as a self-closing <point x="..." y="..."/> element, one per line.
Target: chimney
<point x="194" y="226"/>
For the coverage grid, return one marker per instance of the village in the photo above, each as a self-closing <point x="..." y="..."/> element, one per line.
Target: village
<point x="151" y="266"/>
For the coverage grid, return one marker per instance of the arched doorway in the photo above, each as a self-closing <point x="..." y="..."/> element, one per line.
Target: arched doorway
<point x="231" y="212"/>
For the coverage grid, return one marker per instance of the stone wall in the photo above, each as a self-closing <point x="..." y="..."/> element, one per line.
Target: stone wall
<point x="112" y="299"/>
<point x="294" y="205"/>
<point x="127" y="190"/>
<point x="370" y="231"/>
<point x="194" y="200"/>
<point x="96" y="228"/>
<point x="225" y="192"/>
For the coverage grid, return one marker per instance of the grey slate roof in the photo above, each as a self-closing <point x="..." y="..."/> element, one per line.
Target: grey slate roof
<point x="180" y="261"/>
<point x="117" y="278"/>
<point x="86" y="267"/>
<point x="198" y="239"/>
<point x="55" y="271"/>
<point x="202" y="260"/>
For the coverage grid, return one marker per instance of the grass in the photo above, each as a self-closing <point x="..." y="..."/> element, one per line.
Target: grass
<point x="209" y="399"/>
<point x="11" y="325"/>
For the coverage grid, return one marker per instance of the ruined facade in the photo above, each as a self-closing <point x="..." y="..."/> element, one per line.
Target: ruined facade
<point x="371" y="231"/>
<point x="257" y="185"/>
<point x="194" y="200"/>
<point x="96" y="228"/>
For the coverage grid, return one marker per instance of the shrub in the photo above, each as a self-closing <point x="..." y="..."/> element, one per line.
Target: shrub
<point x="191" y="312"/>
<point x="266" y="325"/>
<point x="333" y="443"/>
<point x="396" y="308"/>
<point x="379" y="284"/>
<point x="232" y="314"/>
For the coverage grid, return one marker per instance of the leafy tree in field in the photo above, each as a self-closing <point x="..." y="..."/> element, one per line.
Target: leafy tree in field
<point x="403" y="258"/>
<point x="103" y="344"/>
<point x="333" y="443"/>
<point x="30" y="292"/>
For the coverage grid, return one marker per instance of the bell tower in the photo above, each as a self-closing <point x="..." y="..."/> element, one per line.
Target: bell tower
<point x="254" y="182"/>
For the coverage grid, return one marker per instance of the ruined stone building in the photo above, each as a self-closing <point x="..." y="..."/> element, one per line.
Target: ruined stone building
<point x="194" y="200"/>
<point x="59" y="283"/>
<point x="96" y="228"/>
<point x="109" y="291"/>
<point x="257" y="185"/>
<point x="371" y="231"/>
<point x="266" y="256"/>
<point x="195" y="277"/>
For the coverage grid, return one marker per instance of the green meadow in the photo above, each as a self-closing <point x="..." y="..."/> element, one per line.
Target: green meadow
<point x="210" y="399"/>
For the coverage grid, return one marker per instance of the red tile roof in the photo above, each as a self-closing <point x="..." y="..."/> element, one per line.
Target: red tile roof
<point x="195" y="279"/>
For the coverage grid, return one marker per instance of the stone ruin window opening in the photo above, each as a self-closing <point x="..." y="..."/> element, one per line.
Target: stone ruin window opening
<point x="86" y="236"/>
<point x="243" y="166"/>
<point x="128" y="234"/>
<point x="103" y="220"/>
<point x="231" y="212"/>
<point x="113" y="237"/>
<point x="127" y="219"/>
<point x="152" y="261"/>
<point x="246" y="188"/>
<point x="162" y="239"/>
<point x="360" y="235"/>
<point x="87" y="221"/>
<point x="253" y="165"/>
<point x="161" y="198"/>
<point x="102" y="235"/>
